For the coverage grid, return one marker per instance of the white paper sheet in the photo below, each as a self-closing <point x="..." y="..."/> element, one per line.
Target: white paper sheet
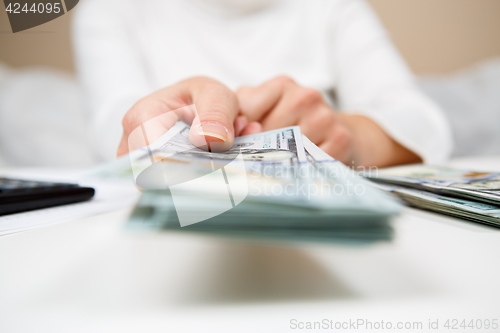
<point x="110" y="195"/>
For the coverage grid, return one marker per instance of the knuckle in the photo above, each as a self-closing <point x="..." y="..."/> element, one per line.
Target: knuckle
<point x="243" y="90"/>
<point x="306" y="97"/>
<point x="342" y="137"/>
<point x="244" y="95"/>
<point x="320" y="119"/>
<point x="128" y="120"/>
<point x="143" y="110"/>
<point x="284" y="81"/>
<point x="201" y="80"/>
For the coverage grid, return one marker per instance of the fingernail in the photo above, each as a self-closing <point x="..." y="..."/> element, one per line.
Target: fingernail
<point x="213" y="132"/>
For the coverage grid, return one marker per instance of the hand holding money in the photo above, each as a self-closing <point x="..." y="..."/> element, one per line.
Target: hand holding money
<point x="353" y="139"/>
<point x="281" y="102"/>
<point x="217" y="107"/>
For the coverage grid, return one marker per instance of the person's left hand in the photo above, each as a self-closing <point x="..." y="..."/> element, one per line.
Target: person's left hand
<point x="281" y="102"/>
<point x="353" y="139"/>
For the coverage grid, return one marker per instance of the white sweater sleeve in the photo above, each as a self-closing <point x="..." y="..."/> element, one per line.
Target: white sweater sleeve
<point x="110" y="69"/>
<point x="374" y="81"/>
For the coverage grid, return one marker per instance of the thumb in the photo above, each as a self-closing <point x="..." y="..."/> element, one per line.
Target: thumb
<point x="216" y="109"/>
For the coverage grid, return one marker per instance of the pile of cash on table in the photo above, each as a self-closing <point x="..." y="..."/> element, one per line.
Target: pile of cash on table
<point x="275" y="185"/>
<point x="471" y="195"/>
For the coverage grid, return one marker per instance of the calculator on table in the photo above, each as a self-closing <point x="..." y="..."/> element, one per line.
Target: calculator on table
<point x="17" y="195"/>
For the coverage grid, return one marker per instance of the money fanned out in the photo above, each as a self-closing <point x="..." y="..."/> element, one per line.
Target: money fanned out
<point x="275" y="185"/>
<point x="466" y="209"/>
<point x="471" y="195"/>
<point x="472" y="185"/>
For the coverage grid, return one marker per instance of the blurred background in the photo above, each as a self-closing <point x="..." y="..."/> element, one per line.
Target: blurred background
<point x="452" y="45"/>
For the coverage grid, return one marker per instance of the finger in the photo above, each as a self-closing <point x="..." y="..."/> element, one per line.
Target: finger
<point x="239" y="124"/>
<point x="256" y="102"/>
<point x="123" y="146"/>
<point x="252" y="128"/>
<point x="339" y="145"/>
<point x="216" y="109"/>
<point x="296" y="103"/>
<point x="206" y="104"/>
<point x="317" y="123"/>
<point x="148" y="120"/>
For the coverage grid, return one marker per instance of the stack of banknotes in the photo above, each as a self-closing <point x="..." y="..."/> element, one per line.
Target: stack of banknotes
<point x="275" y="185"/>
<point x="466" y="194"/>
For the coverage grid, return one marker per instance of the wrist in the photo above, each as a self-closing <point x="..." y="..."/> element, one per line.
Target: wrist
<point x="372" y="146"/>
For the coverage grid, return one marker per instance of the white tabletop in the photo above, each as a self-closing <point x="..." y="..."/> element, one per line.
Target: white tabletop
<point x="92" y="275"/>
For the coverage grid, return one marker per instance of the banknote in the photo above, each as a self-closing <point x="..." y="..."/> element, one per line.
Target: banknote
<point x="471" y="210"/>
<point x="174" y="147"/>
<point x="156" y="211"/>
<point x="276" y="167"/>
<point x="467" y="184"/>
<point x="294" y="191"/>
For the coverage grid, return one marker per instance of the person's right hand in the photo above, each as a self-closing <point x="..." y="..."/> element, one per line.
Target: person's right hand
<point x="216" y="105"/>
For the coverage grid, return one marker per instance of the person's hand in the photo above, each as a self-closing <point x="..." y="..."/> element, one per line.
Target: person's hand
<point x="281" y="102"/>
<point x="216" y="105"/>
<point x="353" y="139"/>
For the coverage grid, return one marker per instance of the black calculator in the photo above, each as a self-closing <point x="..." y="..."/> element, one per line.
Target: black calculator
<point x="18" y="195"/>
